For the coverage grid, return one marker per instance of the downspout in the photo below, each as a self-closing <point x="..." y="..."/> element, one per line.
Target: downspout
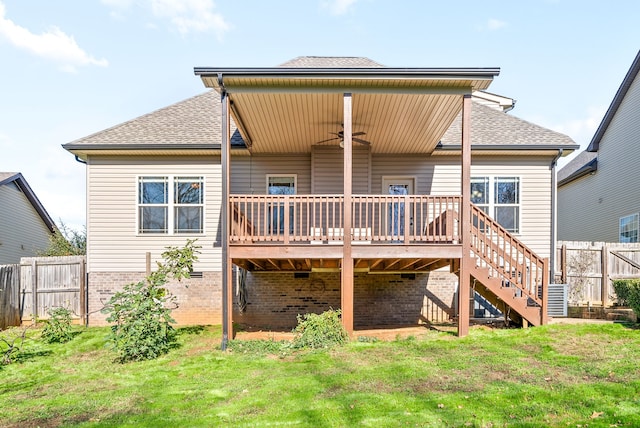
<point x="86" y="274"/>
<point x="554" y="217"/>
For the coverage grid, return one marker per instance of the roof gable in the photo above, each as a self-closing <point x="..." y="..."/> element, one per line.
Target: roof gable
<point x="21" y="183"/>
<point x="615" y="104"/>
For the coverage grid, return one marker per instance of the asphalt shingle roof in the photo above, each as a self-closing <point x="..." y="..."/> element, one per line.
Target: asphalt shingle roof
<point x="581" y="161"/>
<point x="492" y="127"/>
<point x="331" y="62"/>
<point x="194" y="121"/>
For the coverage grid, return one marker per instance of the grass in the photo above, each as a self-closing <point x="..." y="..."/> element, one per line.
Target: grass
<point x="559" y="375"/>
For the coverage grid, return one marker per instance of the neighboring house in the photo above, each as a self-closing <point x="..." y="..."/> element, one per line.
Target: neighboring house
<point x="269" y="179"/>
<point x="598" y="191"/>
<point x="25" y="226"/>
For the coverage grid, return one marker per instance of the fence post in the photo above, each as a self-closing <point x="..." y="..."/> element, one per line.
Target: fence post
<point x="148" y="263"/>
<point x="605" y="276"/>
<point x="34" y="290"/>
<point x="563" y="264"/>
<point x="84" y="316"/>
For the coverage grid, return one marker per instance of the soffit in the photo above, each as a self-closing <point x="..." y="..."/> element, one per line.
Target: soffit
<point x="398" y="112"/>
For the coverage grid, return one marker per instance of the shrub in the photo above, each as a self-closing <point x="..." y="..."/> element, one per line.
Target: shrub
<point x="320" y="331"/>
<point x="628" y="293"/>
<point x="58" y="327"/>
<point x="142" y="311"/>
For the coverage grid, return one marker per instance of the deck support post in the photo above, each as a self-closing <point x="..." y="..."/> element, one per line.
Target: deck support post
<point x="227" y="301"/>
<point x="346" y="276"/>
<point x="464" y="281"/>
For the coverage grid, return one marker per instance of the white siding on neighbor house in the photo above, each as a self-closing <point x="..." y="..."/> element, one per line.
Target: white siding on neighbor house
<point x="114" y="244"/>
<point x="441" y="176"/>
<point x="249" y="173"/>
<point x="22" y="231"/>
<point x="590" y="207"/>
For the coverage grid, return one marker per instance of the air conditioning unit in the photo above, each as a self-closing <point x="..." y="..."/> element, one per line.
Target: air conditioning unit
<point x="558" y="296"/>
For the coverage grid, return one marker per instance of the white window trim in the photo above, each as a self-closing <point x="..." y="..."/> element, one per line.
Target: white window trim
<point x="295" y="181"/>
<point x="171" y="205"/>
<point x="492" y="205"/>
<point x="637" y="224"/>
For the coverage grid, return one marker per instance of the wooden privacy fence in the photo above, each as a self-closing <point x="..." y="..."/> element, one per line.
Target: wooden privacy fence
<point x="590" y="268"/>
<point x="38" y="284"/>
<point x="9" y="293"/>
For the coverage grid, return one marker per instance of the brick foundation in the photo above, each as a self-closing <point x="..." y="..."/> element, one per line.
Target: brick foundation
<point x="199" y="299"/>
<point x="275" y="299"/>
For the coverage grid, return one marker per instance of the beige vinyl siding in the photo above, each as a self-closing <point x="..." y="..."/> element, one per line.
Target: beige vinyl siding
<point x="327" y="163"/>
<point x="590" y="207"/>
<point x="22" y="231"/>
<point x="441" y="176"/>
<point x="249" y="173"/>
<point x="114" y="244"/>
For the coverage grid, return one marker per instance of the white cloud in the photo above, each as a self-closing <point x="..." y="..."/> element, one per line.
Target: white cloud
<point x="52" y="44"/>
<point x="495" y="24"/>
<point x="185" y="16"/>
<point x="338" y="7"/>
<point x="582" y="129"/>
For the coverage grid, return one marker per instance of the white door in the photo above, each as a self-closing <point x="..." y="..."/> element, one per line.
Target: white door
<point x="397" y="186"/>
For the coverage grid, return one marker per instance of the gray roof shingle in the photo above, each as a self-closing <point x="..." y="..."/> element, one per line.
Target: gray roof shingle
<point x="331" y="62"/>
<point x="580" y="165"/>
<point x="195" y="121"/>
<point x="491" y="127"/>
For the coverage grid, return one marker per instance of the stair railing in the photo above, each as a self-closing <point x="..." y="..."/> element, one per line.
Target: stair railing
<point x="508" y="258"/>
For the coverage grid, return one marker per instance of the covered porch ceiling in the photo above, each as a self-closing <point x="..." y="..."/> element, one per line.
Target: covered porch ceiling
<point x="288" y="110"/>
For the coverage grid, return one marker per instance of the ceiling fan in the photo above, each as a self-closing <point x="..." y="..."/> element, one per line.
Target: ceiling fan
<point x="340" y="136"/>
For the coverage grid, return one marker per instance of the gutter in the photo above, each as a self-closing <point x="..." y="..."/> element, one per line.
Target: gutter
<point x="506" y="147"/>
<point x="488" y="72"/>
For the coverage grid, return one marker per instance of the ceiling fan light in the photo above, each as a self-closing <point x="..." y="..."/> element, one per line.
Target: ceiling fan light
<point x="342" y="144"/>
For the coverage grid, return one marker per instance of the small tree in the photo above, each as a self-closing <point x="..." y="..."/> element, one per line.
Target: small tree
<point x="66" y="241"/>
<point x="142" y="311"/>
<point x="58" y="327"/>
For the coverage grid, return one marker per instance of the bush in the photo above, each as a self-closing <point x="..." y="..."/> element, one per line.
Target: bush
<point x="320" y="331"/>
<point x="628" y="293"/>
<point x="142" y="311"/>
<point x="58" y="327"/>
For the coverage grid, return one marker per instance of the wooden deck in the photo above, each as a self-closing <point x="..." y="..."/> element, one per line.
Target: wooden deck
<point x="404" y="233"/>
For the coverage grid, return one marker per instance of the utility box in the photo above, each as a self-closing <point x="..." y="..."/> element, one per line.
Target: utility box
<point x="558" y="296"/>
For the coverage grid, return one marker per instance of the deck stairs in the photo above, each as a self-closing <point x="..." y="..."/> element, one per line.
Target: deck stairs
<point x="506" y="272"/>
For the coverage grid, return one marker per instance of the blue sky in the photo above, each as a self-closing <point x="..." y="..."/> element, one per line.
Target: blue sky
<point x="70" y="68"/>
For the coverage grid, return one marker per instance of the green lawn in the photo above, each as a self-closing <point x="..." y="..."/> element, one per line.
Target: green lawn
<point x="559" y="375"/>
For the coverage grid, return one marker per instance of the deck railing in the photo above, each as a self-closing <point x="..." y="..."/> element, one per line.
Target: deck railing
<point x="318" y="219"/>
<point x="506" y="257"/>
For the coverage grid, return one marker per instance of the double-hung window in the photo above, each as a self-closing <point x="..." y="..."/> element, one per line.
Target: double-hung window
<point x="500" y="198"/>
<point x="628" y="228"/>
<point x="170" y="204"/>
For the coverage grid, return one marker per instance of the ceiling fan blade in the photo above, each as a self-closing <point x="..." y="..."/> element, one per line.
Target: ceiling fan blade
<point x="361" y="141"/>
<point x="355" y="134"/>
<point x="327" y="140"/>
